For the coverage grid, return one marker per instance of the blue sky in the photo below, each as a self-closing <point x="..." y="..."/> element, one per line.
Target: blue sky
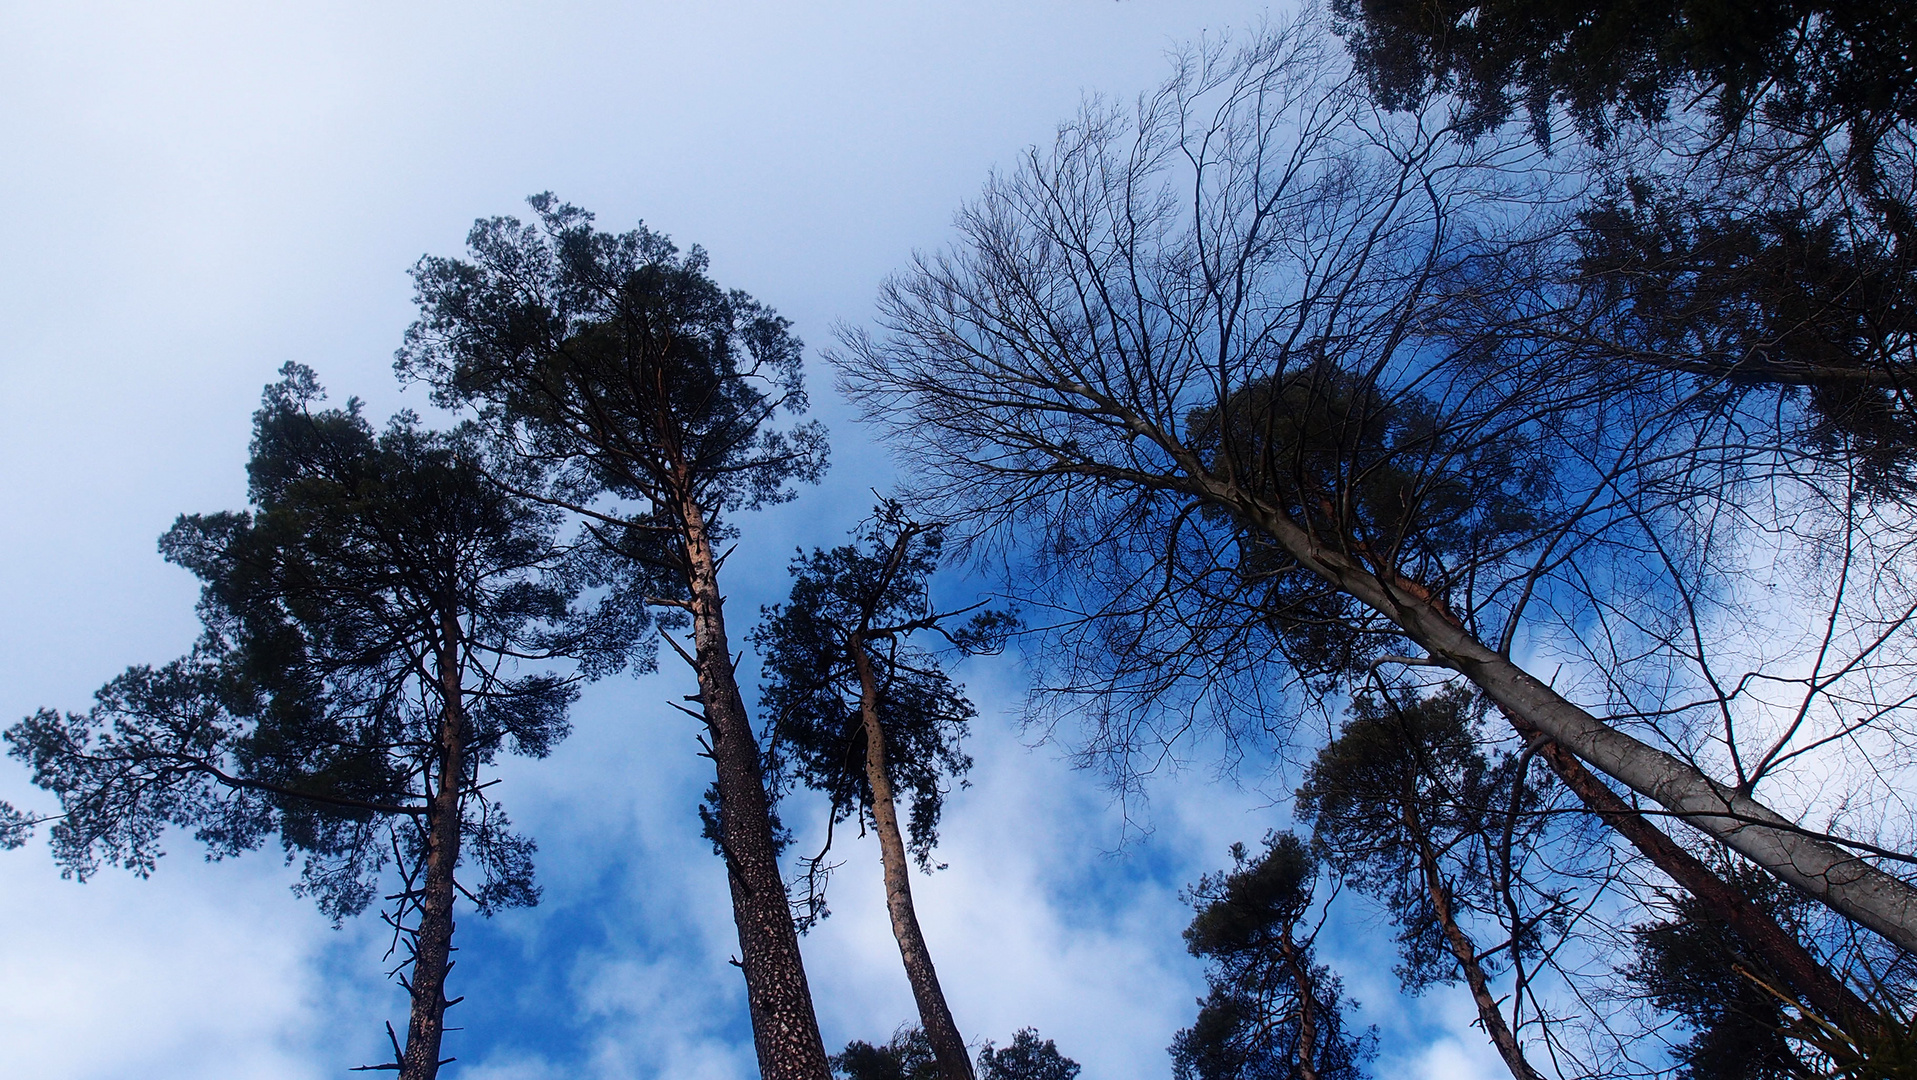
<point x="201" y="192"/>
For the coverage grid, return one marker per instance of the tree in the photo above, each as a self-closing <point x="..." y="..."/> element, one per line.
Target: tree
<point x="1078" y="370"/>
<point x="356" y="678"/>
<point x="857" y="711"/>
<point x="908" y="1056"/>
<point x="1274" y="1012"/>
<point x="1744" y="1020"/>
<point x="1835" y="63"/>
<point x="1026" y="1057"/>
<point x="16" y="826"/>
<point x="1404" y="794"/>
<point x="1696" y="966"/>
<point x="1756" y="220"/>
<point x="640" y="396"/>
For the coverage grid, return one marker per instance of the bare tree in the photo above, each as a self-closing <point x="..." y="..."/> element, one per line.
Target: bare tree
<point x="1272" y="381"/>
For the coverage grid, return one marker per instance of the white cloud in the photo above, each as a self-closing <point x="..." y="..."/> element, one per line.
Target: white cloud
<point x="203" y="972"/>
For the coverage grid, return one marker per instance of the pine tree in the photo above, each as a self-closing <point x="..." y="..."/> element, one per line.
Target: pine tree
<point x="631" y="389"/>
<point x="1274" y="1012"/>
<point x="366" y="623"/>
<point x="859" y="712"/>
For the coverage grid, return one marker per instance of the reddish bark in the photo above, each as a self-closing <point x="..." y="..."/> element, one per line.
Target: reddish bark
<point x="785" y="1030"/>
<point x="935" y="1015"/>
<point x="1465" y="950"/>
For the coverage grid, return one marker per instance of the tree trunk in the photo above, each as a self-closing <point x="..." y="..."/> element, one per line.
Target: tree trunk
<point x="785" y="1031"/>
<point x="1294" y="958"/>
<point x="1465" y="950"/>
<point x="935" y="1016"/>
<point x="1776" y="947"/>
<point x="433" y="941"/>
<point x="1820" y="869"/>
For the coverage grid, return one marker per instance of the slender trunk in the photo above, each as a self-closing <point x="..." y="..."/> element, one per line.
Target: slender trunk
<point x="1295" y="959"/>
<point x="1776" y="947"/>
<point x="1820" y="869"/>
<point x="935" y="1016"/>
<point x="1465" y="950"/>
<point x="433" y="940"/>
<point x="785" y="1031"/>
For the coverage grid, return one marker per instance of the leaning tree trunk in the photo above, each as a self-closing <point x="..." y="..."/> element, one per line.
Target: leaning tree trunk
<point x="1817" y="867"/>
<point x="433" y="939"/>
<point x="1464" y="949"/>
<point x="1306" y="1052"/>
<point x="1776" y="947"/>
<point x="785" y="1030"/>
<point x="935" y="1016"/>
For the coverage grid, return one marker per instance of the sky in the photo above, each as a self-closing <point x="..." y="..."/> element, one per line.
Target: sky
<point x="201" y="192"/>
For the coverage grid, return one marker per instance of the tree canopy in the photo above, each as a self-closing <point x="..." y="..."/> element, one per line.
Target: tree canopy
<point x="369" y="624"/>
<point x="1274" y="1011"/>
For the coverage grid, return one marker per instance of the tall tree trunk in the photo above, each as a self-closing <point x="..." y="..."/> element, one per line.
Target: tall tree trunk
<point x="935" y="1016"/>
<point x="1776" y="947"/>
<point x="1464" y="949"/>
<point x="785" y="1030"/>
<point x="433" y="941"/>
<point x="1818" y="868"/>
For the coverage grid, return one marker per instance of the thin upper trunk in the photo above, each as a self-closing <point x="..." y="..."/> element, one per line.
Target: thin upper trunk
<point x="1817" y="867"/>
<point x="1299" y="963"/>
<point x="785" y="1030"/>
<point x="1464" y="949"/>
<point x="935" y="1016"/>
<point x="433" y="940"/>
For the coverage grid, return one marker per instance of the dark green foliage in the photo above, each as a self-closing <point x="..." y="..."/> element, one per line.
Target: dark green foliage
<point x="872" y="592"/>
<point x="1272" y="1006"/>
<point x="612" y="365"/>
<point x="1715" y="285"/>
<point x="1693" y="965"/>
<point x="1775" y="295"/>
<point x="374" y="567"/>
<point x="626" y="386"/>
<point x="868" y="597"/>
<point x="15" y="827"/>
<point x="143" y="759"/>
<point x="1780" y="248"/>
<point x="907" y="1057"/>
<point x="1407" y="773"/>
<point x="1385" y="477"/>
<point x="1839" y="62"/>
<point x="1349" y="458"/>
<point x="1026" y="1057"/>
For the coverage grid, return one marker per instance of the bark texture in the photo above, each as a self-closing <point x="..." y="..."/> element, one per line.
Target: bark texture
<point x="935" y="1015"/>
<point x="785" y="1030"/>
<point x="433" y="942"/>
<point x="1299" y="963"/>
